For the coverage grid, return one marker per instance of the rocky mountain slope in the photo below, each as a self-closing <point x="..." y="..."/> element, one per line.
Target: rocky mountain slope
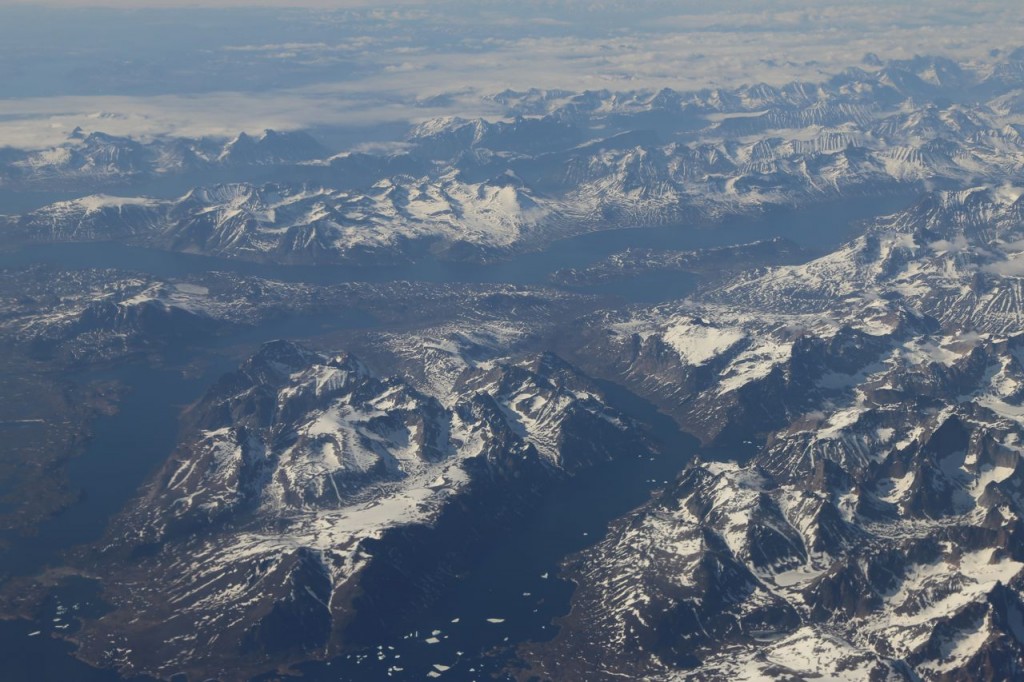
<point x="300" y="471"/>
<point x="858" y="513"/>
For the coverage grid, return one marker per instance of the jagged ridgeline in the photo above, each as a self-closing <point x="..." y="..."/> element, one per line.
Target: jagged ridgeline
<point x="563" y="164"/>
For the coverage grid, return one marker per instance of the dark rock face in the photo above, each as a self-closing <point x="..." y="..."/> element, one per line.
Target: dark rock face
<point x="110" y="328"/>
<point x="148" y="320"/>
<point x="301" y="619"/>
<point x="729" y="554"/>
<point x="271" y="147"/>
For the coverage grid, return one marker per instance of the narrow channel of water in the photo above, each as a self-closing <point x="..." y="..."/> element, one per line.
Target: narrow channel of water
<point x="122" y="450"/>
<point x="125" y="448"/>
<point x="816" y="227"/>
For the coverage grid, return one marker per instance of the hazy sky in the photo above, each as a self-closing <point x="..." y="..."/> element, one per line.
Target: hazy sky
<point x="148" y="73"/>
<point x="141" y="4"/>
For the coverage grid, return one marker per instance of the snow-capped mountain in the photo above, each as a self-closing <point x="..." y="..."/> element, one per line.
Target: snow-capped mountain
<point x="300" y="470"/>
<point x="876" y="532"/>
<point x="303" y="223"/>
<point x="952" y="256"/>
<point x="864" y="520"/>
<point x="945" y="263"/>
<point x="578" y="163"/>
<point x="97" y="159"/>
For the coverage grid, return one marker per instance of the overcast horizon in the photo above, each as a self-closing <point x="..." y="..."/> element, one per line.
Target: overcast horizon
<point x="361" y="64"/>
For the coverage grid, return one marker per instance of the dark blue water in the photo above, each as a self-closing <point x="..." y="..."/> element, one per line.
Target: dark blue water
<point x="122" y="451"/>
<point x="28" y="650"/>
<point x="125" y="448"/>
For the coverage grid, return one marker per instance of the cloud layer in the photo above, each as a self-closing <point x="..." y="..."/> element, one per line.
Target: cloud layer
<point x="408" y="61"/>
